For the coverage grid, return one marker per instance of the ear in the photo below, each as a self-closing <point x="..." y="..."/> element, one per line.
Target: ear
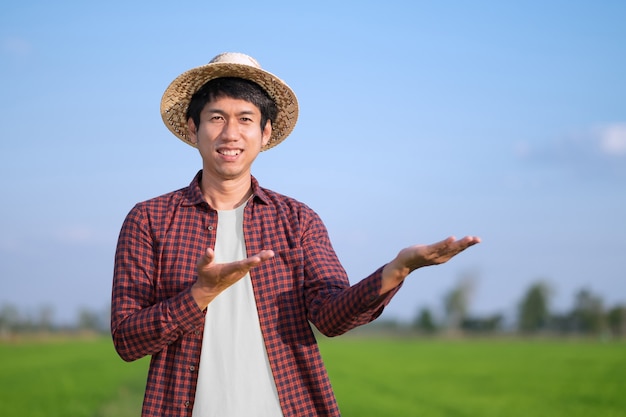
<point x="192" y="131"/>
<point x="267" y="133"/>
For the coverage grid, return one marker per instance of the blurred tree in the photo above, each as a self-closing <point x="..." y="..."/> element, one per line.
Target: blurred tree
<point x="92" y="320"/>
<point x="9" y="320"/>
<point x="45" y="318"/>
<point x="588" y="313"/>
<point x="456" y="302"/>
<point x="488" y="324"/>
<point x="534" y="308"/>
<point x="616" y="320"/>
<point x="561" y="323"/>
<point x="424" y="322"/>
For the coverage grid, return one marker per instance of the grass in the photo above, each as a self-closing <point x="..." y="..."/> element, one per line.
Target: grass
<point x="68" y="378"/>
<point x="432" y="378"/>
<point x="371" y="378"/>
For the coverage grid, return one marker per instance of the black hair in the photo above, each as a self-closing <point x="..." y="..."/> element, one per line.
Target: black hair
<point x="237" y="88"/>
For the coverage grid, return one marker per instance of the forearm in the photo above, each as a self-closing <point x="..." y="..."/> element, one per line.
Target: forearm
<point x="334" y="306"/>
<point x="138" y="332"/>
<point x="352" y="306"/>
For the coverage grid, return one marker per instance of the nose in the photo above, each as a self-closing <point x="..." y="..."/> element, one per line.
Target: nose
<point x="230" y="131"/>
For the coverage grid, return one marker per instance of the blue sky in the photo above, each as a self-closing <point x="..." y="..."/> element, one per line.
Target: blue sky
<point x="418" y="120"/>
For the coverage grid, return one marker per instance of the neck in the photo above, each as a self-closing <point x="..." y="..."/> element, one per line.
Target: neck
<point x="226" y="194"/>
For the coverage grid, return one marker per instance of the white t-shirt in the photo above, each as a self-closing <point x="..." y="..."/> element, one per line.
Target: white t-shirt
<point x="234" y="377"/>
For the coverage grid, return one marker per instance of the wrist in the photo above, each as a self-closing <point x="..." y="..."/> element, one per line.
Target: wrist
<point x="202" y="295"/>
<point x="392" y="276"/>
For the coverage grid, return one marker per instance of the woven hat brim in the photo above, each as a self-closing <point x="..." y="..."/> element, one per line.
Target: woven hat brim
<point x="177" y="96"/>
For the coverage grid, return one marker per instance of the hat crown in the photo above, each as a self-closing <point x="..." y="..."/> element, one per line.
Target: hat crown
<point x="235" y="58"/>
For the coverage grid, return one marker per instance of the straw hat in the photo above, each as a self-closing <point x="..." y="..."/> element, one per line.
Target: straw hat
<point x="177" y="96"/>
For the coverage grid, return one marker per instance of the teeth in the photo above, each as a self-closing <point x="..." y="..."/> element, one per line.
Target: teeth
<point x="229" y="152"/>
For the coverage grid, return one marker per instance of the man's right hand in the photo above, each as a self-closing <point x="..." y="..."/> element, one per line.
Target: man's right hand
<point x="213" y="278"/>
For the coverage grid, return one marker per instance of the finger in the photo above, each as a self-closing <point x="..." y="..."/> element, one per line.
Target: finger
<point x="452" y="242"/>
<point x="443" y="245"/>
<point x="462" y="244"/>
<point x="207" y="258"/>
<point x="262" y="256"/>
<point x="448" y="248"/>
<point x="470" y="240"/>
<point x="447" y="241"/>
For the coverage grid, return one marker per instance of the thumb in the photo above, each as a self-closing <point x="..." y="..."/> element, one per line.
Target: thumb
<point x="207" y="258"/>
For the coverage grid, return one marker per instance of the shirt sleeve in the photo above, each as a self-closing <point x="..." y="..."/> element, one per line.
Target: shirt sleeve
<point x="141" y="325"/>
<point x="335" y="307"/>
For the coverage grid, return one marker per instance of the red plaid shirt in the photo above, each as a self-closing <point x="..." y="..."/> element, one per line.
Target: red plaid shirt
<point x="153" y="312"/>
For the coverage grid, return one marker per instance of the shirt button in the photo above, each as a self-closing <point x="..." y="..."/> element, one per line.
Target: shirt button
<point x="192" y="368"/>
<point x="210" y="228"/>
<point x="196" y="332"/>
<point x="186" y="403"/>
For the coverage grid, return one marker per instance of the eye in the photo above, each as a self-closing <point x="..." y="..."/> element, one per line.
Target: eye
<point x="216" y="118"/>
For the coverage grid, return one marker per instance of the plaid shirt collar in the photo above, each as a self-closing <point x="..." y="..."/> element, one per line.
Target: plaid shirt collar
<point x="192" y="195"/>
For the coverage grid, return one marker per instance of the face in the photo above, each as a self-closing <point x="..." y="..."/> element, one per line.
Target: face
<point x="229" y="137"/>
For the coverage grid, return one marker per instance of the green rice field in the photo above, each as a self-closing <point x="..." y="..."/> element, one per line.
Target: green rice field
<point x="69" y="378"/>
<point x="372" y="377"/>
<point x="486" y="378"/>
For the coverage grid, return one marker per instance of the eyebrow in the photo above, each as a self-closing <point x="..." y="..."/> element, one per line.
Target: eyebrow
<point x="220" y="111"/>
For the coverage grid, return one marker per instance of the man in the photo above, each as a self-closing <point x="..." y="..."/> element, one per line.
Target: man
<point x="219" y="281"/>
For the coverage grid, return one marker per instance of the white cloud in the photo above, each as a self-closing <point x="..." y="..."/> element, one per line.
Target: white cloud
<point x="595" y="152"/>
<point x="591" y="145"/>
<point x="612" y="139"/>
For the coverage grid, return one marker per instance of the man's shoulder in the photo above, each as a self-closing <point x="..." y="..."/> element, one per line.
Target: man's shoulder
<point x="188" y="195"/>
<point x="162" y="207"/>
<point x="281" y="200"/>
<point x="287" y="209"/>
<point x="172" y="197"/>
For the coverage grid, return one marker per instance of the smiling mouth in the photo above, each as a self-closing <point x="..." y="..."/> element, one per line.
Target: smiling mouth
<point x="229" y="152"/>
